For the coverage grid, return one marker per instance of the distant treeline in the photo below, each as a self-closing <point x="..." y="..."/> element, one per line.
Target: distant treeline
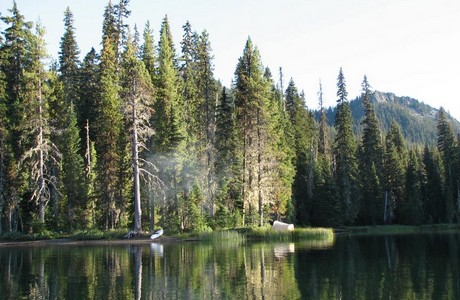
<point x="142" y="135"/>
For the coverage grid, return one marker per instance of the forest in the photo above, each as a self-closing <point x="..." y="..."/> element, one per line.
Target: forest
<point x="142" y="135"/>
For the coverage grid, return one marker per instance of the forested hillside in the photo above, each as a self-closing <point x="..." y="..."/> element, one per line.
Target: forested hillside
<point x="142" y="135"/>
<point x="417" y="120"/>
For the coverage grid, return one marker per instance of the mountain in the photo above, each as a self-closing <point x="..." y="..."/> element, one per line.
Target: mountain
<point x="417" y="119"/>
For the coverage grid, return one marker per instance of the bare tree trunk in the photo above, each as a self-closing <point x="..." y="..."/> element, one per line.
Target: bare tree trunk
<point x="137" y="194"/>
<point x="41" y="178"/>
<point x="259" y="170"/>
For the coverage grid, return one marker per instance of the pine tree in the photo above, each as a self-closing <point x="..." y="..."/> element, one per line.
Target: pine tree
<point x="395" y="165"/>
<point x="303" y="140"/>
<point x="371" y="162"/>
<point x="254" y="123"/>
<point x="204" y="115"/>
<point x="14" y="59"/>
<point x="323" y="143"/>
<point x="413" y="211"/>
<point x="72" y="169"/>
<point x="227" y="163"/>
<point x="279" y="159"/>
<point x="168" y="127"/>
<point x="107" y="136"/>
<point x="148" y="51"/>
<point x="68" y="60"/>
<point x="435" y="202"/>
<point x="137" y="92"/>
<point x="447" y="147"/>
<point x="5" y="149"/>
<point x="71" y="141"/>
<point x="344" y="153"/>
<point x="35" y="129"/>
<point x="87" y="105"/>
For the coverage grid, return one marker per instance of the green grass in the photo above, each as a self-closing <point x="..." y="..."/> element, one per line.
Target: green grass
<point x="299" y="234"/>
<point x="399" y="229"/>
<point x="96" y="234"/>
<point x="221" y="236"/>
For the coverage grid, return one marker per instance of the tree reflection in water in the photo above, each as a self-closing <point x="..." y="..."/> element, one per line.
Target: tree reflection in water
<point x="382" y="267"/>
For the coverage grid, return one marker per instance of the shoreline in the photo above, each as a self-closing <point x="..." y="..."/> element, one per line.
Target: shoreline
<point x="73" y="242"/>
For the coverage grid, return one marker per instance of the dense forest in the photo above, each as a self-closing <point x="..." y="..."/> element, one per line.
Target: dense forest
<point x="142" y="135"/>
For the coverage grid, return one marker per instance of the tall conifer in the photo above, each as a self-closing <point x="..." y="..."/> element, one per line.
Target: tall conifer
<point x="345" y="154"/>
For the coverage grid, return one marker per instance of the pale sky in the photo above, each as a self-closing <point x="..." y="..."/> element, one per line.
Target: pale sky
<point x="408" y="47"/>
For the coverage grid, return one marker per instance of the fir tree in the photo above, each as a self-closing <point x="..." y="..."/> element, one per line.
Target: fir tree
<point x="447" y="147"/>
<point x="148" y="51"/>
<point x="107" y="135"/>
<point x="371" y="162"/>
<point x="71" y="141"/>
<point x="227" y="163"/>
<point x="323" y="144"/>
<point x="254" y="123"/>
<point x="345" y="154"/>
<point x="168" y="126"/>
<point x="395" y="165"/>
<point x="35" y="130"/>
<point x="68" y="60"/>
<point x="303" y="139"/>
<point x="72" y="169"/>
<point x="434" y="196"/>
<point x="87" y="105"/>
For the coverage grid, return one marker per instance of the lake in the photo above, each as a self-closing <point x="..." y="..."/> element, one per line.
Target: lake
<point x="409" y="266"/>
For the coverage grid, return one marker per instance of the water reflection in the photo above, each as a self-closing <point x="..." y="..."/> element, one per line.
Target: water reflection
<point x="283" y="250"/>
<point x="398" y="267"/>
<point x="157" y="249"/>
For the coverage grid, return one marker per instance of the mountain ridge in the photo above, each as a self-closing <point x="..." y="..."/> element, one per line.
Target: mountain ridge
<point x="416" y="119"/>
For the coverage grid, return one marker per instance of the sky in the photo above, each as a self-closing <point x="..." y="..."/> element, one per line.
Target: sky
<point x="407" y="47"/>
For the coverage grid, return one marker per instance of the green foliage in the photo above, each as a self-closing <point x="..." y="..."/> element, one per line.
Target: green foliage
<point x="73" y="138"/>
<point x="344" y="152"/>
<point x="299" y="234"/>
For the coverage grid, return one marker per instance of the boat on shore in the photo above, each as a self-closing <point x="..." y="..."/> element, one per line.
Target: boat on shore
<point x="156" y="234"/>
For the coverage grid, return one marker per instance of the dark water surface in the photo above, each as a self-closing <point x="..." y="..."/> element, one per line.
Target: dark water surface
<point x="413" y="266"/>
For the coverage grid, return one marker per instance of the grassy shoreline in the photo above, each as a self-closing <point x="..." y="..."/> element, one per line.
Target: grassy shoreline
<point x="246" y="233"/>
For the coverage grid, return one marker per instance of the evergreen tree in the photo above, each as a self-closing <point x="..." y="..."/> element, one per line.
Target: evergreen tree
<point x="5" y="149"/>
<point x="395" y="165"/>
<point x="148" y="51"/>
<point x="413" y="210"/>
<point x="204" y="116"/>
<point x="279" y="164"/>
<point x="14" y="59"/>
<point x="434" y="196"/>
<point x="254" y="123"/>
<point x="227" y="163"/>
<point x="447" y="147"/>
<point x="371" y="162"/>
<point x="72" y="169"/>
<point x="344" y="153"/>
<point x="137" y="92"/>
<point x="71" y="141"/>
<point x="303" y="140"/>
<point x="168" y="127"/>
<point x="87" y="105"/>
<point x="68" y="60"/>
<point x="35" y="130"/>
<point x="107" y="136"/>
<point x="323" y="127"/>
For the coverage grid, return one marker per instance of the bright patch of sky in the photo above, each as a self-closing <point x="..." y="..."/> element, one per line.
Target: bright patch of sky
<point x="408" y="47"/>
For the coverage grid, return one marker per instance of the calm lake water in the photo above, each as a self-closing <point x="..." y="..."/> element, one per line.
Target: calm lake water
<point x="415" y="266"/>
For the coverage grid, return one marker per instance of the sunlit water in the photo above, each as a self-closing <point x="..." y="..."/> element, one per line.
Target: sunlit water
<point x="422" y="266"/>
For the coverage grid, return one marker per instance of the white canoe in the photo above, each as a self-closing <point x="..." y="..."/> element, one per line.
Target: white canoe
<point x="156" y="234"/>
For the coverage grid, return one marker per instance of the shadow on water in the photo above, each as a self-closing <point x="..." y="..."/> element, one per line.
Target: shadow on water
<point x="416" y="266"/>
